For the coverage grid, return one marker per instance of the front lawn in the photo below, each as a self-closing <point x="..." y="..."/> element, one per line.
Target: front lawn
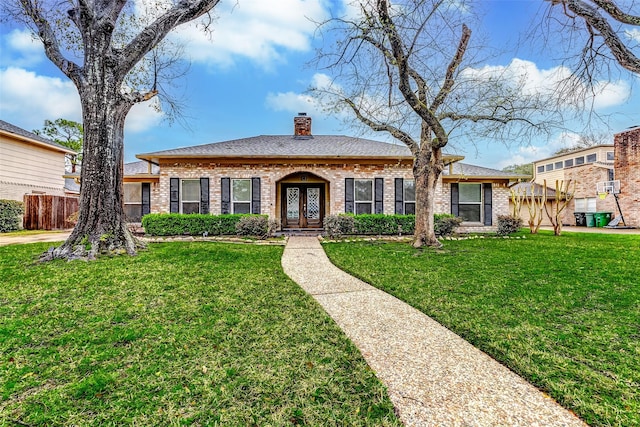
<point x="183" y="334"/>
<point x="564" y="312"/>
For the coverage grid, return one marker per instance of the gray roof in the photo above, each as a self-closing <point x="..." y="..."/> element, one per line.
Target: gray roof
<point x="140" y="168"/>
<point x="464" y="169"/>
<point x="71" y="185"/>
<point x="266" y="146"/>
<point x="8" y="127"/>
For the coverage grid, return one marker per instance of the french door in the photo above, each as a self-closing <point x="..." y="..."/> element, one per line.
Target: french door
<point x="302" y="205"/>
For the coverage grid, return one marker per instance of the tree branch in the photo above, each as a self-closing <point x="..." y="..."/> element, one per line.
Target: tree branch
<point x="51" y="45"/>
<point x="185" y="11"/>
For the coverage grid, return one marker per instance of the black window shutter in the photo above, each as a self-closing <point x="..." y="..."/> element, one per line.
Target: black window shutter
<point x="255" y="195"/>
<point x="348" y="195"/>
<point x="379" y="195"/>
<point x="174" y="195"/>
<point x="487" y="196"/>
<point x="204" y="195"/>
<point x="225" y="204"/>
<point x="455" y="197"/>
<point x="146" y="198"/>
<point x="399" y="196"/>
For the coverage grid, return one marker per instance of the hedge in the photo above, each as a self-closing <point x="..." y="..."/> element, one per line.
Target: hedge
<point x="195" y="224"/>
<point x="10" y="212"/>
<point x="380" y="224"/>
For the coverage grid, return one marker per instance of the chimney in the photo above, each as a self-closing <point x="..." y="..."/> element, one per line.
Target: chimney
<point x="302" y="126"/>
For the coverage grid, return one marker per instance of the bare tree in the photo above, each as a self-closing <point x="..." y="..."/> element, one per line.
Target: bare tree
<point x="94" y="45"/>
<point x="406" y="69"/>
<point x="611" y="32"/>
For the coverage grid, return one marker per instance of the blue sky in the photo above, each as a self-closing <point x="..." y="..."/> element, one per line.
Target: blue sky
<point x="251" y="78"/>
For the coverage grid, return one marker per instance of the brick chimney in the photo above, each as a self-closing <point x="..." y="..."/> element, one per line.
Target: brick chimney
<point x="302" y="126"/>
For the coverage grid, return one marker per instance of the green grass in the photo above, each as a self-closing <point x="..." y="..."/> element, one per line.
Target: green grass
<point x="183" y="334"/>
<point x="564" y="312"/>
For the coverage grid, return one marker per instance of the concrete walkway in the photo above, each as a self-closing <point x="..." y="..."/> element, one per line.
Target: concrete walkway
<point x="433" y="376"/>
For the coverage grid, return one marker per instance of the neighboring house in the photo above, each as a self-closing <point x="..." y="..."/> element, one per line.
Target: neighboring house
<point x="301" y="178"/>
<point x="596" y="165"/>
<point x="627" y="170"/>
<point x="30" y="164"/>
<point x="140" y="181"/>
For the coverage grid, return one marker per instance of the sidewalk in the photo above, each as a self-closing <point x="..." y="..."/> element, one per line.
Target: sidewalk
<point x="434" y="377"/>
<point x="51" y="236"/>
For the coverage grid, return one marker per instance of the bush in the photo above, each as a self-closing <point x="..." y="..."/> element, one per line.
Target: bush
<point x="380" y="224"/>
<point x="508" y="224"/>
<point x="259" y="226"/>
<point x="338" y="225"/>
<point x="384" y="224"/>
<point x="10" y="212"/>
<point x="190" y="224"/>
<point x="446" y="224"/>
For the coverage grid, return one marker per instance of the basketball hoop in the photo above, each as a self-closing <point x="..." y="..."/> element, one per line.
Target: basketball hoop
<point x="603" y="195"/>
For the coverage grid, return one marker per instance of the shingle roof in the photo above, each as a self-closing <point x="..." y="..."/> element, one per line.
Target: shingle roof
<point x="464" y="169"/>
<point x="140" y="168"/>
<point x="9" y="128"/>
<point x="266" y="146"/>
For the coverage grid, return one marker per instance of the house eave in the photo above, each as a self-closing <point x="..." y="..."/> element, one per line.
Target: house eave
<point x="22" y="138"/>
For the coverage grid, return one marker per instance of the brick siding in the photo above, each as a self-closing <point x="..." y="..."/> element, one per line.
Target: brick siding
<point x="627" y="170"/>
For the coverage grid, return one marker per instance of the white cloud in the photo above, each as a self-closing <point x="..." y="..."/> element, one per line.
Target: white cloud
<point x="28" y="99"/>
<point x="532" y="80"/>
<point x="22" y="48"/>
<point x="530" y="153"/>
<point x="633" y="34"/>
<point x="301" y="102"/>
<point x="143" y="116"/>
<point x="254" y="29"/>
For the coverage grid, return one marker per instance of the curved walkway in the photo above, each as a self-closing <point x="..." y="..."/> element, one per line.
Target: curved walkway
<point x="434" y="377"/>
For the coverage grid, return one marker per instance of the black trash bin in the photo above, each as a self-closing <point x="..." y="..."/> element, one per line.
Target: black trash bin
<point x="581" y="219"/>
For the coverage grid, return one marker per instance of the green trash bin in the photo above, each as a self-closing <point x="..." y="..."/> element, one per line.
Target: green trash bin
<point x="591" y="222"/>
<point x="602" y="218"/>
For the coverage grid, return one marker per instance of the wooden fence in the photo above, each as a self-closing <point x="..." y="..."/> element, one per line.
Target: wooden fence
<point x="45" y="212"/>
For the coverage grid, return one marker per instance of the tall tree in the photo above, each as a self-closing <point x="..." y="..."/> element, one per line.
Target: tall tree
<point x="611" y="33"/>
<point x="68" y="134"/>
<point x="404" y="68"/>
<point x="94" y="43"/>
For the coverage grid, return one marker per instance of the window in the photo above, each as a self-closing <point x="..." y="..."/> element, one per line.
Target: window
<point x="190" y="196"/>
<point x="610" y="156"/>
<point x="363" y="196"/>
<point x="612" y="175"/>
<point x="591" y="158"/>
<point x="558" y="165"/>
<point x="568" y="163"/>
<point x="548" y="167"/>
<point x="470" y="202"/>
<point x="540" y="169"/>
<point x="241" y="196"/>
<point x="579" y="160"/>
<point x="409" y="193"/>
<point x="132" y="201"/>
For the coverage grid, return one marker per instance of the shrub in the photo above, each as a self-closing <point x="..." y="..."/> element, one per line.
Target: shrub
<point x="10" y="211"/>
<point x="191" y="224"/>
<point x="508" y="224"/>
<point x="338" y="225"/>
<point x="384" y="224"/>
<point x="255" y="225"/>
<point x="446" y="224"/>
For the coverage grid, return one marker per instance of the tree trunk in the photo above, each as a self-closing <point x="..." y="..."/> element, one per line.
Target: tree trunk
<point x="101" y="226"/>
<point x="427" y="168"/>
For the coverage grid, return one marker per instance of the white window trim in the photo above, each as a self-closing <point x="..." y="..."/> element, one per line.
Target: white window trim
<point x="357" y="202"/>
<point x="233" y="201"/>
<point x="182" y="200"/>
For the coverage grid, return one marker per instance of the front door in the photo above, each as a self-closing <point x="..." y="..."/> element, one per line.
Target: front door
<point x="302" y="205"/>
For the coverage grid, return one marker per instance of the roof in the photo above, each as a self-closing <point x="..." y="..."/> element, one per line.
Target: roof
<point x="285" y="146"/>
<point x="464" y="170"/>
<point x="573" y="152"/>
<point x="140" y="168"/>
<point x="26" y="135"/>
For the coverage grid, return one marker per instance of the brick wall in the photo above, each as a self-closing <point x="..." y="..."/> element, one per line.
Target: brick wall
<point x="586" y="178"/>
<point x="333" y="174"/>
<point x="627" y="170"/>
